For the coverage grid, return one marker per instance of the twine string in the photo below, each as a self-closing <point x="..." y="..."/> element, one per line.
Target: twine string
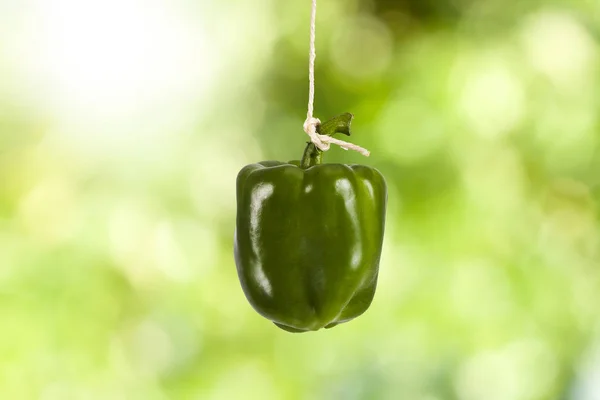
<point x="310" y="125"/>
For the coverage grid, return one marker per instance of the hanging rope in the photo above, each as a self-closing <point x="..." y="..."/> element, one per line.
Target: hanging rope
<point x="310" y="125"/>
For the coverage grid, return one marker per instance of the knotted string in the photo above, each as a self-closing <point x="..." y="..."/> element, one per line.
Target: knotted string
<point x="310" y="125"/>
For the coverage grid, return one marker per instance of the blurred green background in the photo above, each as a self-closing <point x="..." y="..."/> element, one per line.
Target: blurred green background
<point x="123" y="124"/>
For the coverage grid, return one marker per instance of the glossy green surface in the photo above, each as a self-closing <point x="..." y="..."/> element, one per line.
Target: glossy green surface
<point x="308" y="241"/>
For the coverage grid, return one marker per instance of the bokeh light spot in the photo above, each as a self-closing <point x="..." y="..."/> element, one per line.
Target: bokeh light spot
<point x="492" y="98"/>
<point x="362" y="47"/>
<point x="558" y="45"/>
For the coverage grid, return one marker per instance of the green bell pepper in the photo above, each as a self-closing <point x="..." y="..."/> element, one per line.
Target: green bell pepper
<point x="308" y="237"/>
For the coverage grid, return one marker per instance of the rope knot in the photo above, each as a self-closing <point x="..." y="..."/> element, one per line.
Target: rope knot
<point x="310" y="127"/>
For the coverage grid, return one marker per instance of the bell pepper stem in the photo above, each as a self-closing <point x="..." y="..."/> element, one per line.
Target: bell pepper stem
<point x="312" y="156"/>
<point x="339" y="124"/>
